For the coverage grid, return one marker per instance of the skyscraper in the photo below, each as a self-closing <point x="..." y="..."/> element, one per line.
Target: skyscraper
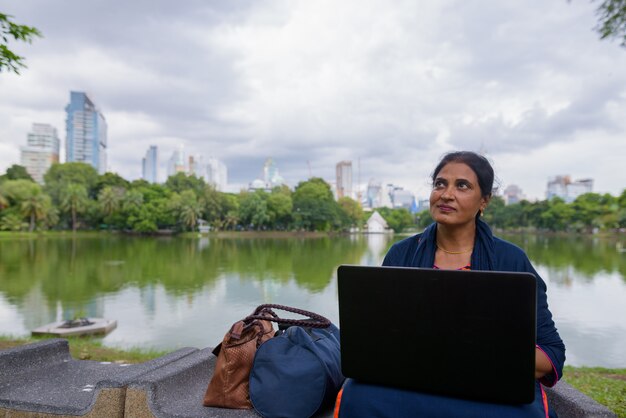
<point x="150" y="165"/>
<point x="217" y="174"/>
<point x="344" y="179"/>
<point x="176" y="163"/>
<point x="86" y="129"/>
<point x="566" y="189"/>
<point x="41" y="151"/>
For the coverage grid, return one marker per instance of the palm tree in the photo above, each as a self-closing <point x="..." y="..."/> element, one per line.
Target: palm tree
<point x="4" y="201"/>
<point x="133" y="199"/>
<point x="110" y="199"/>
<point x="189" y="209"/>
<point x="12" y="222"/>
<point x="35" y="207"/>
<point x="74" y="200"/>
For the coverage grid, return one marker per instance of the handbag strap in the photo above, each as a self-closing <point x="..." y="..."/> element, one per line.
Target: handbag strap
<point x="314" y="320"/>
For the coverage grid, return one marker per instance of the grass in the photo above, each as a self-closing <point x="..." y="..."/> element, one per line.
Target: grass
<point x="90" y="348"/>
<point x="606" y="386"/>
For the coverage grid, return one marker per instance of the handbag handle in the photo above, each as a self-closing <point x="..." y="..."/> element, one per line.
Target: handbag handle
<point x="314" y="321"/>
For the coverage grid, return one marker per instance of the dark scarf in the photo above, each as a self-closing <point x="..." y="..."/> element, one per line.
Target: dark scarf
<point x="482" y="256"/>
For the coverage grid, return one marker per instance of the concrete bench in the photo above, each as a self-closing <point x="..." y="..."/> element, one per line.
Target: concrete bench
<point x="570" y="403"/>
<point x="42" y="380"/>
<point x="177" y="389"/>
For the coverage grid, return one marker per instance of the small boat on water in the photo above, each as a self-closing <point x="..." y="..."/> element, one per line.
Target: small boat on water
<point x="75" y="327"/>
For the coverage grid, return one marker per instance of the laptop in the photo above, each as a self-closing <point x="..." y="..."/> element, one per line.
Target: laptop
<point x="466" y="334"/>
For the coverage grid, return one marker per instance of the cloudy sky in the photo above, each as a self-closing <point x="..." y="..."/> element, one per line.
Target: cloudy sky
<point x="390" y="85"/>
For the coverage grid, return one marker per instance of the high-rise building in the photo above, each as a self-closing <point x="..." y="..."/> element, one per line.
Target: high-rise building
<point x="344" y="179"/>
<point x="150" y="165"/>
<point x="271" y="176"/>
<point x="402" y="198"/>
<point x="41" y="150"/>
<point x="378" y="196"/>
<point x="86" y="132"/>
<point x="217" y="174"/>
<point x="512" y="194"/>
<point x="176" y="163"/>
<point x="566" y="189"/>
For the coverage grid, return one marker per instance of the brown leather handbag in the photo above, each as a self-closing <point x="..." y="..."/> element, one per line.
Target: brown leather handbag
<point x="228" y="387"/>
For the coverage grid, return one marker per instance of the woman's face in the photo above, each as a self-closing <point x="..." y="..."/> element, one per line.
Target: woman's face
<point x="456" y="197"/>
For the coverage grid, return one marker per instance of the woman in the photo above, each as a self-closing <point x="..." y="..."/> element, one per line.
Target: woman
<point x="459" y="239"/>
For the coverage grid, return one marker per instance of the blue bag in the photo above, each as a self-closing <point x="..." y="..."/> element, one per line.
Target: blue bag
<point x="297" y="373"/>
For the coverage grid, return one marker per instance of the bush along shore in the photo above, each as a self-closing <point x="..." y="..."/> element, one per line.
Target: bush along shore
<point x="606" y="386"/>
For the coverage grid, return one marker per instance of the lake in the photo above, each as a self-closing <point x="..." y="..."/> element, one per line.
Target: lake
<point x="172" y="292"/>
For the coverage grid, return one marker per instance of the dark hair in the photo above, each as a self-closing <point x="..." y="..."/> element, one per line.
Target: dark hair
<point x="479" y="165"/>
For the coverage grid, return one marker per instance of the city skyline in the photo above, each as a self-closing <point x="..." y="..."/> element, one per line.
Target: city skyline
<point x="215" y="172"/>
<point x="529" y="84"/>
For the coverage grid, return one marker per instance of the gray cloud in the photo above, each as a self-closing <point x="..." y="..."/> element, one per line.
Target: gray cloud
<point x="313" y="83"/>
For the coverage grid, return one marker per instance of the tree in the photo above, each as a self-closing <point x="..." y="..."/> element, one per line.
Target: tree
<point x="74" y="200"/>
<point x="12" y="222"/>
<point x="314" y="207"/>
<point x="16" y="191"/>
<point x="133" y="199"/>
<point x="110" y="198"/>
<point x="4" y="201"/>
<point x="112" y="180"/>
<point x="35" y="207"/>
<point x="279" y="207"/>
<point x="494" y="212"/>
<point x="612" y="20"/>
<point x="253" y="210"/>
<point x="8" y="29"/>
<point x="189" y="209"/>
<point x="59" y="176"/>
<point x="398" y="219"/>
<point x="180" y="182"/>
<point x="352" y="209"/>
<point x="16" y="172"/>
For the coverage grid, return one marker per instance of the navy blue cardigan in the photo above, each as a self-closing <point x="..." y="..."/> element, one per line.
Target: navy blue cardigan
<point x="489" y="253"/>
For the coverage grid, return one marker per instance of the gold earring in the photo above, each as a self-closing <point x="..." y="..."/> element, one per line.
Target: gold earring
<point x="482" y="212"/>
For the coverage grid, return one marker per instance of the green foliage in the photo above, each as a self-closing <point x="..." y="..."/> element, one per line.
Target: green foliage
<point x="181" y="182"/>
<point x="12" y="222"/>
<point x="16" y="172"/>
<point x="314" y="207"/>
<point x="352" y="210"/>
<point x="253" y="211"/>
<point x="74" y="201"/>
<point x="36" y="207"/>
<point x="59" y="176"/>
<point x="280" y="207"/>
<point x="398" y="219"/>
<point x="424" y="219"/>
<point x="109" y="201"/>
<point x="16" y="191"/>
<point x="9" y="60"/>
<point x="187" y="208"/>
<point x="494" y="214"/>
<point x="111" y="180"/>
<point x="4" y="200"/>
<point x="612" y="20"/>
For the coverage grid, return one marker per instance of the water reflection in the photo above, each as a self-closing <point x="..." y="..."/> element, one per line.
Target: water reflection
<point x="172" y="292"/>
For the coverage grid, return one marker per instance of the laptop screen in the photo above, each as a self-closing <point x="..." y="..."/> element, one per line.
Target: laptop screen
<point x="468" y="334"/>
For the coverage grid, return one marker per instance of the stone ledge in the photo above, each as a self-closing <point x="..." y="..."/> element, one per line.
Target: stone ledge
<point x="42" y="380"/>
<point x="570" y="403"/>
